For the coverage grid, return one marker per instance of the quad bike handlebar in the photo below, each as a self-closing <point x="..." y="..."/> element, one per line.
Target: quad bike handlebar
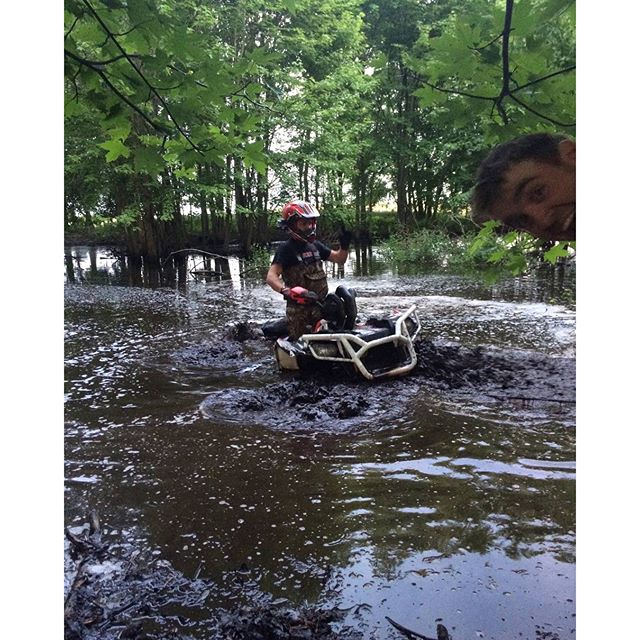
<point x="300" y="295"/>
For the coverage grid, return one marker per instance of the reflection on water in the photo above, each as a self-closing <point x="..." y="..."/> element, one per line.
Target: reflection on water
<point x="101" y="265"/>
<point x="447" y="511"/>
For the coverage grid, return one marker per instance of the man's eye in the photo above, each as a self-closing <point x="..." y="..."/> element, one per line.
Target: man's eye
<point x="537" y="194"/>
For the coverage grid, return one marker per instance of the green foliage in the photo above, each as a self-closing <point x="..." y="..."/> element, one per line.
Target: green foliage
<point x="515" y="251"/>
<point x="333" y="217"/>
<point x="161" y="87"/>
<point x="259" y="258"/>
<point x="381" y="224"/>
<point x="244" y="104"/>
<point x="424" y="248"/>
<point x="559" y="250"/>
<point x="462" y="70"/>
<point x="486" y="252"/>
<point x="86" y="172"/>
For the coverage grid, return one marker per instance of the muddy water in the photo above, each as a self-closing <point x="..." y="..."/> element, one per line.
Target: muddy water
<point x="448" y="495"/>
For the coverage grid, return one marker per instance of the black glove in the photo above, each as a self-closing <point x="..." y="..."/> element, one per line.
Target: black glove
<point x="345" y="237"/>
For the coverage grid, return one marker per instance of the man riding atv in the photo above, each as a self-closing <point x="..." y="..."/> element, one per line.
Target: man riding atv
<point x="297" y="272"/>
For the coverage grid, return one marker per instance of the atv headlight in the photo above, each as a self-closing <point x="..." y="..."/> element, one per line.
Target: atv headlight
<point x="326" y="349"/>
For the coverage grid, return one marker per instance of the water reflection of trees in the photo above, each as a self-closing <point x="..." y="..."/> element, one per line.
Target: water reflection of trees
<point x="447" y="514"/>
<point x="93" y="265"/>
<point x="554" y="284"/>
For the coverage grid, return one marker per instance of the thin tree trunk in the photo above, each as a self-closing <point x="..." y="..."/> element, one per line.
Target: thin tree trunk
<point x="202" y="196"/>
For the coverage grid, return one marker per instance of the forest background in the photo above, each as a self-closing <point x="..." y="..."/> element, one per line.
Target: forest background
<point x="190" y="123"/>
<point x="34" y="151"/>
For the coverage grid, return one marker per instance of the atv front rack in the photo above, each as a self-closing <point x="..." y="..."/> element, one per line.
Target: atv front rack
<point x="382" y="350"/>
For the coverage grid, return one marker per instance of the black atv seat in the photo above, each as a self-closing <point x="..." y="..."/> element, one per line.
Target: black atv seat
<point x="373" y="329"/>
<point x="376" y="328"/>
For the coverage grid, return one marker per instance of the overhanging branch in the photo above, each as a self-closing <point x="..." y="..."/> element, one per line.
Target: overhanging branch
<point x="97" y="69"/>
<point x="549" y="75"/>
<point x="540" y="115"/>
<point x="66" y="35"/>
<point x="457" y="92"/>
<point x="506" y="90"/>
<point x="112" y="37"/>
<point x="97" y="63"/>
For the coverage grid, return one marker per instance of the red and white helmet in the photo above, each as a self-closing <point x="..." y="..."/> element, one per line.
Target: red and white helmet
<point x="296" y="210"/>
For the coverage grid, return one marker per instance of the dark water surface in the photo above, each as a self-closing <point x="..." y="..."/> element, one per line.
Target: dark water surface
<point x="430" y="504"/>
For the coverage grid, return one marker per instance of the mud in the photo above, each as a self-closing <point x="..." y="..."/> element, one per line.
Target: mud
<point x="528" y="383"/>
<point x="114" y="590"/>
<point x="493" y="373"/>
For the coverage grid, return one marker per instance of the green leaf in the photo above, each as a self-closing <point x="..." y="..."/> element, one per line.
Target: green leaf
<point x="115" y="149"/>
<point x="72" y="107"/>
<point x="189" y="173"/>
<point x="427" y="96"/>
<point x="559" y="250"/>
<point x="151" y="141"/>
<point x="254" y="148"/>
<point x="139" y="11"/>
<point x="259" y="165"/>
<point x="525" y="19"/>
<point x="120" y="132"/>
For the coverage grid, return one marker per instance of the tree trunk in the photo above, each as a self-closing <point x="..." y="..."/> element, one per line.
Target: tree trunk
<point x="401" y="192"/>
<point x="202" y="198"/>
<point x="149" y="234"/>
<point x="243" y="222"/>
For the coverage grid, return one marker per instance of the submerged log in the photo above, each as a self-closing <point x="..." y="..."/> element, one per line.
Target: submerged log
<point x="441" y="630"/>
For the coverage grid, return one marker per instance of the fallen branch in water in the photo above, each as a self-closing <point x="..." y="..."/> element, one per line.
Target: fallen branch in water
<point x="441" y="630"/>
<point x="213" y="255"/>
<point x="206" y="253"/>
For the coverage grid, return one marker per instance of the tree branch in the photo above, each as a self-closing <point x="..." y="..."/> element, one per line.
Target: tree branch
<point x="540" y="115"/>
<point x="459" y="93"/>
<point x="66" y="35"/>
<point x="103" y="75"/>
<point x="157" y="126"/>
<point x="484" y="46"/>
<point x="75" y="87"/>
<point x="257" y="104"/>
<point x="135" y="26"/>
<point x="142" y="76"/>
<point x="184" y="73"/>
<point x="550" y="75"/>
<point x="97" y="63"/>
<point x="506" y="75"/>
<point x="408" y="633"/>
<point x="508" y="14"/>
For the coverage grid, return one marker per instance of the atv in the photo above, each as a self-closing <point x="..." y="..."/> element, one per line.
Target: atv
<point x="378" y="348"/>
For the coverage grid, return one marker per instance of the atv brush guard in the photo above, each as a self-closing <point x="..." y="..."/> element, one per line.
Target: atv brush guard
<point x="381" y="348"/>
